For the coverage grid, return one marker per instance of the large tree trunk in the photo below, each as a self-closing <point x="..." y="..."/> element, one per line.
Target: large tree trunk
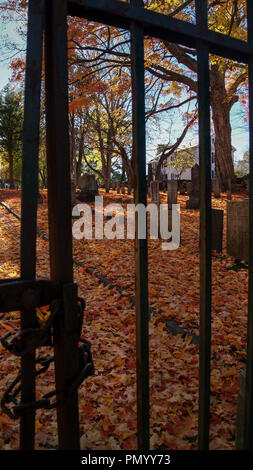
<point x="223" y="147"/>
<point x="221" y="107"/>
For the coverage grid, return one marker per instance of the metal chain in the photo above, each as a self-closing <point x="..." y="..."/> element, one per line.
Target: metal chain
<point x="25" y="341"/>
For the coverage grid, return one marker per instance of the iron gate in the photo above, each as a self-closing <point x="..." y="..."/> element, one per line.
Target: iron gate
<point x="49" y="18"/>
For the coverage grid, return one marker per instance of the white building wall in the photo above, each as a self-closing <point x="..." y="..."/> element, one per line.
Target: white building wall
<point x="170" y="173"/>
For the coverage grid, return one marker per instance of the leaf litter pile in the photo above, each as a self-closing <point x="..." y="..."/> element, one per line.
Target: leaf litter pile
<point x="107" y="400"/>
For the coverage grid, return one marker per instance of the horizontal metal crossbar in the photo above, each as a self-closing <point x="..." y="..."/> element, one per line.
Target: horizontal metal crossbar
<point x="160" y="26"/>
<point x="17" y="294"/>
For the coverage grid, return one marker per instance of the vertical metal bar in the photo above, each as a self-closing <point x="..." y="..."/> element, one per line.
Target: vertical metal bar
<point x="29" y="200"/>
<point x="248" y="432"/>
<point x="59" y="200"/>
<point x="141" y="250"/>
<point x="205" y="227"/>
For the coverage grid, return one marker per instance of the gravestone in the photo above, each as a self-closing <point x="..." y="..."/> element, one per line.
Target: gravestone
<point x="154" y="192"/>
<point x="238" y="229"/>
<point x="217" y="229"/>
<point x="188" y="187"/>
<point x="171" y="199"/>
<point x="216" y="188"/>
<point x="193" y="201"/>
<point x="89" y="188"/>
<point x="171" y="193"/>
<point x="182" y="187"/>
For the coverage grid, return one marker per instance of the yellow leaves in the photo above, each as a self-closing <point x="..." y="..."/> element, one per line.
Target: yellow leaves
<point x="6" y="421"/>
<point x="108" y="399"/>
<point x="42" y="313"/>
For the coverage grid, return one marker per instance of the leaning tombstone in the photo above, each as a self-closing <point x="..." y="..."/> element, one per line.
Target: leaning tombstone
<point x="216" y="188"/>
<point x="89" y="188"/>
<point x="238" y="229"/>
<point x="217" y="229"/>
<point x="194" y="199"/>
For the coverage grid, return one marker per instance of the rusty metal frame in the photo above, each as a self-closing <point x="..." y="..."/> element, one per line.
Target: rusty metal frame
<point x="140" y="22"/>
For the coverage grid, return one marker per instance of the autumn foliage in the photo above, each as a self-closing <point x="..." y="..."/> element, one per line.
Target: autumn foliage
<point x="108" y="399"/>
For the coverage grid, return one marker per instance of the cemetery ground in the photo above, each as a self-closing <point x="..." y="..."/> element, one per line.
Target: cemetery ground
<point x="107" y="400"/>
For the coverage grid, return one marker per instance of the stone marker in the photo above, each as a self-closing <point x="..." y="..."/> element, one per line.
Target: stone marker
<point x="154" y="192"/>
<point x="238" y="229"/>
<point x="172" y="187"/>
<point x="193" y="201"/>
<point x="216" y="188"/>
<point x="217" y="229"/>
<point x="171" y="193"/>
<point x="188" y="187"/>
<point x="89" y="188"/>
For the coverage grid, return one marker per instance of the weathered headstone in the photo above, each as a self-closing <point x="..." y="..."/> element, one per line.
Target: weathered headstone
<point x="216" y="188"/>
<point x="238" y="229"/>
<point x="154" y="192"/>
<point x="217" y="229"/>
<point x="188" y="187"/>
<point x="193" y="201"/>
<point x="171" y="193"/>
<point x="89" y="188"/>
